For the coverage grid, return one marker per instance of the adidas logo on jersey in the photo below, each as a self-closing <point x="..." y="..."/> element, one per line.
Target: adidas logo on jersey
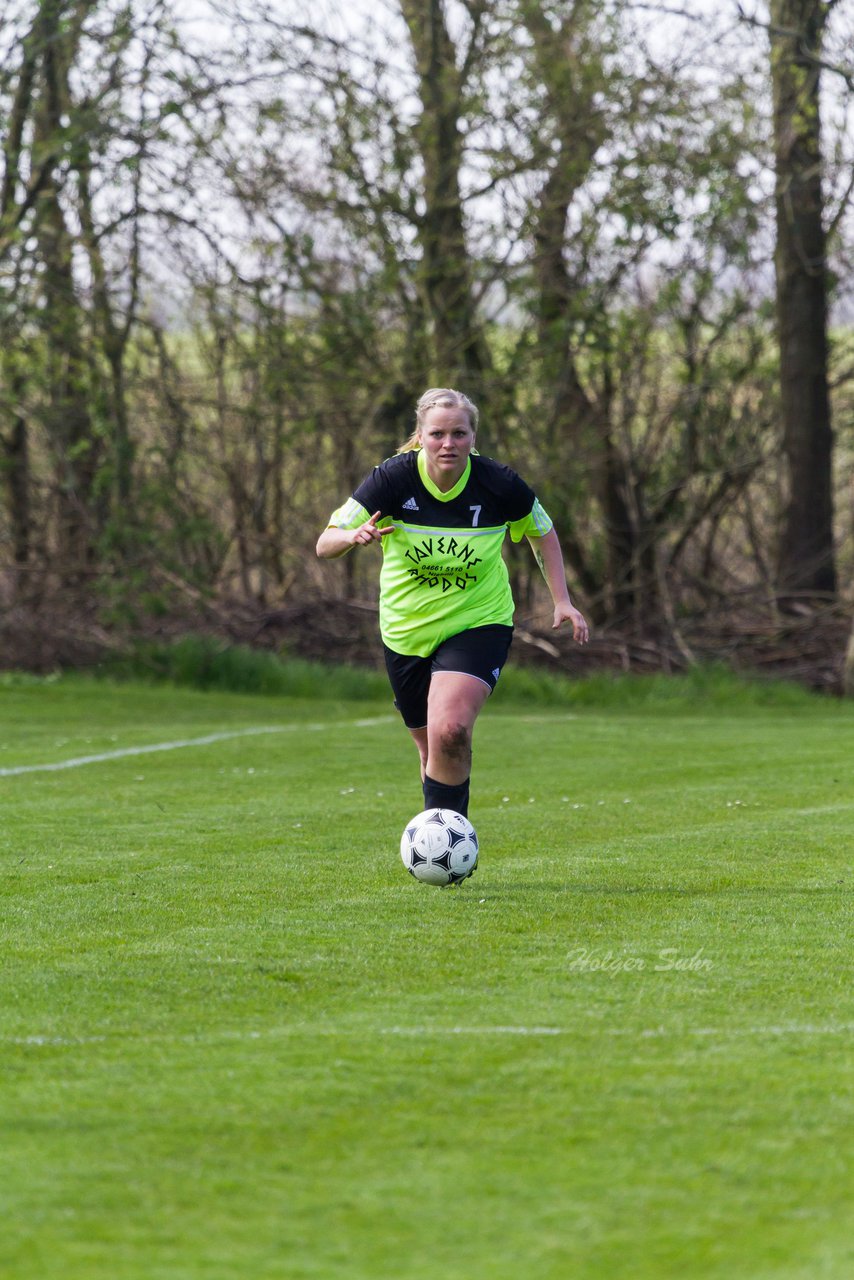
<point x="496" y="673"/>
<point x="411" y="505"/>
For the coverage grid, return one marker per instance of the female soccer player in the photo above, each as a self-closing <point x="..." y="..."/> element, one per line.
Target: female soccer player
<point x="440" y="512"/>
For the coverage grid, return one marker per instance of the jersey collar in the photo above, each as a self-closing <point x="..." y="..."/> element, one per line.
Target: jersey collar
<point x="434" y="489"/>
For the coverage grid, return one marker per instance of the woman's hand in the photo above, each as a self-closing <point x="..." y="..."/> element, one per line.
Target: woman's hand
<point x="566" y="612"/>
<point x="335" y="542"/>
<point x="368" y="532"/>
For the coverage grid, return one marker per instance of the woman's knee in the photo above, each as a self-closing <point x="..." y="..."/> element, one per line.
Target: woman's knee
<point x="454" y="739"/>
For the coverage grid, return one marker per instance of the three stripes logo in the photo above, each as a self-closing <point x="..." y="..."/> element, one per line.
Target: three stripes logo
<point x="411" y="505"/>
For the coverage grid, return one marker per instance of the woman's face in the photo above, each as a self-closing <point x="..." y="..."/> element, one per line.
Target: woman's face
<point x="447" y="439"/>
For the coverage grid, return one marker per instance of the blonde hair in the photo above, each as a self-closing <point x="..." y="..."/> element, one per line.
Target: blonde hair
<point x="439" y="398"/>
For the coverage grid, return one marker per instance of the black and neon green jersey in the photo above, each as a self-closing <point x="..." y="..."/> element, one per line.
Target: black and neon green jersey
<point x="442" y="567"/>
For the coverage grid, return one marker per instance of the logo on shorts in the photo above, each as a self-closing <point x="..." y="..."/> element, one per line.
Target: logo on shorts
<point x="496" y="673"/>
<point x="411" y="505"/>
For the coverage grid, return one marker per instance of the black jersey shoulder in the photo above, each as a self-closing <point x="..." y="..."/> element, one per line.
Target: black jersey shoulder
<point x="388" y="484"/>
<point x="499" y="480"/>
<point x="494" y="495"/>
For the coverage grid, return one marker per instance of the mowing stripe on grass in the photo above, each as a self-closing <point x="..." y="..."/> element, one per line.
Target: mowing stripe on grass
<point x="77" y="761"/>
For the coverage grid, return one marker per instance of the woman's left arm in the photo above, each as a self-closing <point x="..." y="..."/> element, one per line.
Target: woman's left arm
<point x="549" y="557"/>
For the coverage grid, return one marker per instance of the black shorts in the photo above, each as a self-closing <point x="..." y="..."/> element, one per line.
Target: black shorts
<point x="480" y="652"/>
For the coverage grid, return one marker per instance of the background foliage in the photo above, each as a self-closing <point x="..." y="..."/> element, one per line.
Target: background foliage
<point x="237" y="242"/>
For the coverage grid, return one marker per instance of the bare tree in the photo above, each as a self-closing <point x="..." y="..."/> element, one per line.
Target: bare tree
<point x="74" y="444"/>
<point x="461" y="353"/>
<point x="806" y="556"/>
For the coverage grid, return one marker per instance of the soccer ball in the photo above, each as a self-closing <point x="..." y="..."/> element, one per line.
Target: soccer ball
<point x="439" y="846"/>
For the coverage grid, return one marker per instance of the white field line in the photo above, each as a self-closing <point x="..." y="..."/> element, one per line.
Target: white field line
<point x="179" y="743"/>
<point x="804" y="1029"/>
<point x="471" y="1031"/>
<point x="40" y="1041"/>
<point x="421" y="1032"/>
<point x="722" y="1033"/>
<point x="822" y="808"/>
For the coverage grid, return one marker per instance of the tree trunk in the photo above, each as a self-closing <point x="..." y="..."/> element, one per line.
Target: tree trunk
<point x="620" y="535"/>
<point x="15" y="466"/>
<point x="848" y="671"/>
<point x="113" y="335"/>
<point x="74" y="446"/>
<point x="14" y="442"/>
<point x="573" y="77"/>
<point x="68" y="418"/>
<point x="806" y="557"/>
<point x="461" y="352"/>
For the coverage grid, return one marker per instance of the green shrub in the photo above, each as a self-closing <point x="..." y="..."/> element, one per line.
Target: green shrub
<point x="201" y="662"/>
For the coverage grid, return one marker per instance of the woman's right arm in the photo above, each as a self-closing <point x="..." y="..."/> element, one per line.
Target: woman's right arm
<point x="334" y="542"/>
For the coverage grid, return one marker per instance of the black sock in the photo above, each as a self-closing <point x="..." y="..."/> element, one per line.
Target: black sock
<point x="443" y="795"/>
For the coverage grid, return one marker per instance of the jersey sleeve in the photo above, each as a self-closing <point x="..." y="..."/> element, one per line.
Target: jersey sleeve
<point x="371" y="495"/>
<point x="526" y="516"/>
<point x="349" y="515"/>
<point x="536" y="524"/>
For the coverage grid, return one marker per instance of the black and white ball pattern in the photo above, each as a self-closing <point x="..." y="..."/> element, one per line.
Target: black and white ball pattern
<point x="439" y="847"/>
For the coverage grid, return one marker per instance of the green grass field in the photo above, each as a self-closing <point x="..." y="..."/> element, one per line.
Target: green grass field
<point x="238" y="1041"/>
